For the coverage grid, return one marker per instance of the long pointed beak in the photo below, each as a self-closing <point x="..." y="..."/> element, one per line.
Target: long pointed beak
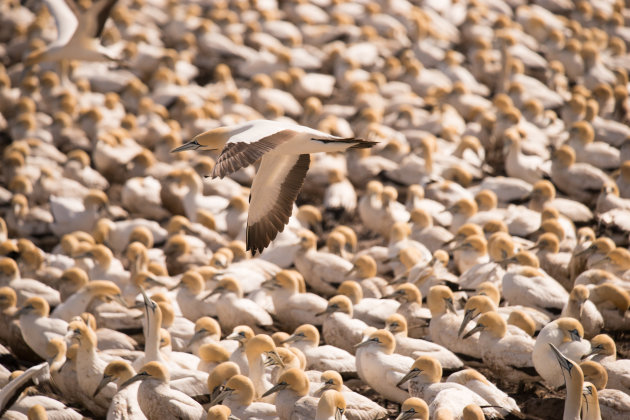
<point x="362" y="343"/>
<point x="222" y="395"/>
<point x="329" y="310"/>
<point x="274" y="389"/>
<point x="469" y="315"/>
<point x="210" y="293"/>
<point x="293" y="337"/>
<point x="321" y="390"/>
<point x="234" y="336"/>
<point x="478" y="327"/>
<point x="276" y="358"/>
<point x="104" y="381"/>
<point x="120" y="300"/>
<point x="411" y="374"/>
<point x="449" y="305"/>
<point x="138" y="377"/>
<point x="594" y="350"/>
<point x="191" y="145"/>
<point x="562" y="361"/>
<point x="197" y="335"/>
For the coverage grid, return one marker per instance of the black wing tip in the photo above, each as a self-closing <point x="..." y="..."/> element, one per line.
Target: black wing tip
<point x="357" y="143"/>
<point x="364" y="144"/>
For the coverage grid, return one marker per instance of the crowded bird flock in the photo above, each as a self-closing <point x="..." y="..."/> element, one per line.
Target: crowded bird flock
<point x="319" y="209"/>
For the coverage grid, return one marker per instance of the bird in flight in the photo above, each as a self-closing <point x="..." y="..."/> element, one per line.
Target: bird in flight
<point x="284" y="150"/>
<point x="78" y="34"/>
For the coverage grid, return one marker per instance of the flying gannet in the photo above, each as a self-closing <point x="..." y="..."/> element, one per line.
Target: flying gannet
<point x="285" y="151"/>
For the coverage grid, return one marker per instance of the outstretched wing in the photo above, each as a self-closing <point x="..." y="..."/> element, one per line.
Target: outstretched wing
<point x="239" y="154"/>
<point x="92" y="21"/>
<point x="275" y="188"/>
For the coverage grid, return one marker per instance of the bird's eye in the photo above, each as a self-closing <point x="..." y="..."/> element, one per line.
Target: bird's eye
<point x="242" y="333"/>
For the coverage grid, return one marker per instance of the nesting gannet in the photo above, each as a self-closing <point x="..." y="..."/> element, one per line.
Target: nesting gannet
<point x="424" y="382"/>
<point x="37" y="328"/>
<point x="321" y="270"/>
<point x="90" y="366"/>
<point x="413" y="408"/>
<point x="219" y="376"/>
<point x="413" y="347"/>
<point x="604" y="351"/>
<point x="564" y="333"/>
<point x="613" y="402"/>
<point x="372" y="311"/>
<point x="157" y="398"/>
<point x="78" y="302"/>
<point x="234" y="310"/>
<point x="380" y="367"/>
<point x="238" y="394"/>
<point x="326" y="357"/>
<point x="125" y="401"/>
<point x="293" y="308"/>
<point x="285" y="151"/>
<point x="292" y="401"/>
<point x="255" y="348"/>
<point x="331" y="406"/>
<point x="574" y="380"/>
<point x="358" y="407"/>
<point x="507" y="354"/>
<point x="444" y="325"/>
<point x="525" y="285"/>
<point x="339" y="329"/>
<point x="478" y="383"/>
<point x="581" y="308"/>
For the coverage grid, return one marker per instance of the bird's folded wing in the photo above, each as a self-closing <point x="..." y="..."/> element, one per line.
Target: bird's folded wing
<point x="239" y="154"/>
<point x="275" y="188"/>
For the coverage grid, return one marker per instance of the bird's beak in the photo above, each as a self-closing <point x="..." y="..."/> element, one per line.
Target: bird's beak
<point x="276" y="358"/>
<point x="279" y="387"/>
<point x="23" y="310"/>
<point x="232" y="417"/>
<point x="329" y="310"/>
<point x="138" y="377"/>
<point x="404" y="415"/>
<point x="469" y="315"/>
<point x="411" y="374"/>
<point x="104" y="381"/>
<point x="191" y="145"/>
<point x="449" y="305"/>
<point x="222" y="395"/>
<point x="120" y="300"/>
<point x="323" y="388"/>
<point x="197" y="335"/>
<point x="563" y="361"/>
<point x="594" y="350"/>
<point x="478" y="327"/>
<point x="210" y="293"/>
<point x="294" y="337"/>
<point x="395" y="295"/>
